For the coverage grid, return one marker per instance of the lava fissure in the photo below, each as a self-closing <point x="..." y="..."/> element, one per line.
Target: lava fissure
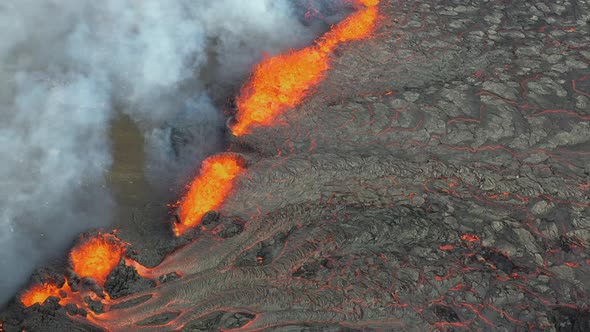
<point x="208" y="191"/>
<point x="282" y="82"/>
<point x="93" y="257"/>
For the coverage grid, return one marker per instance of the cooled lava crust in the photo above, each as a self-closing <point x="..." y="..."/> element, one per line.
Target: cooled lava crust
<point x="438" y="179"/>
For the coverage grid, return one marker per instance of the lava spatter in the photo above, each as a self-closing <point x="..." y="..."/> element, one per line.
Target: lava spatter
<point x="283" y="81"/>
<point x="96" y="257"/>
<point x="40" y="292"/>
<point x="208" y="190"/>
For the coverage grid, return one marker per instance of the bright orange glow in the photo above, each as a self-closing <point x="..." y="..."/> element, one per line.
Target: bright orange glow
<point x="470" y="238"/>
<point x="39" y="293"/>
<point x="208" y="190"/>
<point x="357" y="26"/>
<point x="369" y="3"/>
<point x="283" y="81"/>
<point x="97" y="257"/>
<point x="277" y="84"/>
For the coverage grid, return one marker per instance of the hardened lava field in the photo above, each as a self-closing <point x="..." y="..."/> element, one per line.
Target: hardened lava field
<point x="436" y="179"/>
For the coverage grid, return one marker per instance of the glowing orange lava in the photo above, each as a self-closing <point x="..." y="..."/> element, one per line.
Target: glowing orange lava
<point x="283" y="81"/>
<point x="470" y="238"/>
<point x="97" y="257"/>
<point x="369" y="3"/>
<point x="277" y="84"/>
<point x="208" y="190"/>
<point x="39" y="293"/>
<point x="355" y="27"/>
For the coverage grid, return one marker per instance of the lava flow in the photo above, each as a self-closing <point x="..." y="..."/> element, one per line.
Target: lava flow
<point x="420" y="210"/>
<point x="208" y="190"/>
<point x="283" y="81"/>
<point x="276" y="84"/>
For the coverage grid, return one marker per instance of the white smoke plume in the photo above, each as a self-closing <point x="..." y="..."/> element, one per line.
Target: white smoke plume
<point x="68" y="66"/>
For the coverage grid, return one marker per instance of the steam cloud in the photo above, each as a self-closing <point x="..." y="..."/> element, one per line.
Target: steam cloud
<point x="68" y="66"/>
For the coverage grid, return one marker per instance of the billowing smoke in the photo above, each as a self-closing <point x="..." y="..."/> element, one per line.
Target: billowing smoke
<point x="69" y="67"/>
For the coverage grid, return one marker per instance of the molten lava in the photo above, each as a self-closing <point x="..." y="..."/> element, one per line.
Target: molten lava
<point x="39" y="293"/>
<point x="357" y="26"/>
<point x="369" y="3"/>
<point x="277" y="84"/>
<point x="208" y="190"/>
<point x="97" y="257"/>
<point x="283" y="81"/>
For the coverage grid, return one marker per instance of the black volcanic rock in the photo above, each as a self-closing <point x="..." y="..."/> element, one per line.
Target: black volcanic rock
<point x="570" y="320"/>
<point x="445" y="314"/>
<point x="124" y="280"/>
<point x="309" y="269"/>
<point x="210" y="218"/>
<point x="95" y="306"/>
<point x="263" y="252"/>
<point x="209" y="322"/>
<point x="236" y="320"/>
<point x="74" y="310"/>
<point x="168" y="277"/>
<point x="231" y="229"/>
<point x="500" y="261"/>
<point x="49" y="317"/>
<point x="158" y="319"/>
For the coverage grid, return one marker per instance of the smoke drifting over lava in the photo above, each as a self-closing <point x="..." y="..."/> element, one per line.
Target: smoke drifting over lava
<point x="69" y="67"/>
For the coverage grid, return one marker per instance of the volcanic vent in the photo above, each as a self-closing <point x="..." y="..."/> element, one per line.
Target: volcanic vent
<point x="435" y="178"/>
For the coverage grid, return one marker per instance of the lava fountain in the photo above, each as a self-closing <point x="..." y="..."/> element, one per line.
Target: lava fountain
<point x="208" y="190"/>
<point x="283" y="81"/>
<point x="97" y="257"/>
<point x="41" y="292"/>
<point x="94" y="258"/>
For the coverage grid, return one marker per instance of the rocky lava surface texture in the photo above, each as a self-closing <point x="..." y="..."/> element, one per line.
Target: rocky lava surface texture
<point x="438" y="179"/>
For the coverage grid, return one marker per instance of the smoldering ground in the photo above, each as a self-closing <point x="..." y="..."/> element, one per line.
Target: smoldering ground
<point x="68" y="68"/>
